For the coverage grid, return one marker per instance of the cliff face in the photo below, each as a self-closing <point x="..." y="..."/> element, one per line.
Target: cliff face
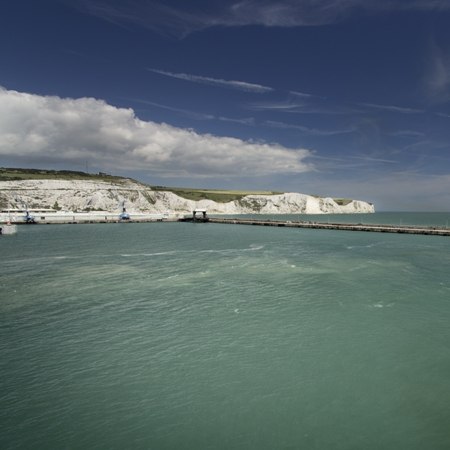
<point x="80" y="195"/>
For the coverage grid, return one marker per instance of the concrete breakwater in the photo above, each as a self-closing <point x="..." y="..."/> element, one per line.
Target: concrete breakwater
<point x="84" y="218"/>
<point x="413" y="229"/>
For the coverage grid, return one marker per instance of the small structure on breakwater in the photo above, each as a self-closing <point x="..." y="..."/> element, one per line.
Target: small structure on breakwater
<point x="198" y="215"/>
<point x="203" y="216"/>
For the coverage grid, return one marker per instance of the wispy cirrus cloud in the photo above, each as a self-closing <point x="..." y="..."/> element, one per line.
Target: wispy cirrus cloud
<point x="277" y="106"/>
<point x="185" y="112"/>
<point x="393" y="108"/>
<point x="63" y="130"/>
<point x="295" y="13"/>
<point x="437" y="78"/>
<point x="305" y="95"/>
<point x="231" y="84"/>
<point x="291" y="106"/>
<point x="407" y="134"/>
<point x="353" y="162"/>
<point x="306" y="130"/>
<point x="371" y="159"/>
<point x="250" y="121"/>
<point x="191" y="17"/>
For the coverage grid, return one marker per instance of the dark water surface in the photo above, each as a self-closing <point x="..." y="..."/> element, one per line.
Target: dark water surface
<point x="207" y="336"/>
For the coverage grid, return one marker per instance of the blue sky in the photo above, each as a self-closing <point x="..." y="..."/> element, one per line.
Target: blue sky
<point x="342" y="98"/>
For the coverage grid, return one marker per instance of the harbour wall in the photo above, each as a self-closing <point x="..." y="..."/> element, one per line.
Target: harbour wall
<point x="437" y="231"/>
<point x="91" y="217"/>
<point x="85" y="217"/>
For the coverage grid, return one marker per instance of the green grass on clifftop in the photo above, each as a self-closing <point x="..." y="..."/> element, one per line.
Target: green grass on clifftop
<point x="13" y="174"/>
<point x="217" y="195"/>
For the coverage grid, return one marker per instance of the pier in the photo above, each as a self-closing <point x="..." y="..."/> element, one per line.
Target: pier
<point x="200" y="216"/>
<point x="51" y="216"/>
<point x="405" y="229"/>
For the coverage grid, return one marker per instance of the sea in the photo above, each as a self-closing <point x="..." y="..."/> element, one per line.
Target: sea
<point x="216" y="336"/>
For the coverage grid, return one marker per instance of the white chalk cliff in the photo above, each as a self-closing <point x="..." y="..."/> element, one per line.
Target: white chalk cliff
<point x="85" y="195"/>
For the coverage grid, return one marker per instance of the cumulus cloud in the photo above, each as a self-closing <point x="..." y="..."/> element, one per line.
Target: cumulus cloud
<point x="62" y="130"/>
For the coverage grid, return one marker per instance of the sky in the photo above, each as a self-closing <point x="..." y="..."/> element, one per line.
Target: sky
<point x="339" y="98"/>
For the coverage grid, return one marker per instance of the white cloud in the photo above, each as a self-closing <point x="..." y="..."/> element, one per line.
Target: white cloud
<point x="288" y="13"/>
<point x="304" y="95"/>
<point x="196" y="115"/>
<point x="53" y="129"/>
<point x="306" y="130"/>
<point x="239" y="85"/>
<point x="393" y="108"/>
<point x="250" y="121"/>
<point x="185" y="112"/>
<point x="180" y="22"/>
<point x="407" y="133"/>
<point x="438" y="75"/>
<point x="301" y="107"/>
<point x="284" y="106"/>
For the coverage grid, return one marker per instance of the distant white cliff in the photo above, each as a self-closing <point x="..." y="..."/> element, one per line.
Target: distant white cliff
<point x="86" y="195"/>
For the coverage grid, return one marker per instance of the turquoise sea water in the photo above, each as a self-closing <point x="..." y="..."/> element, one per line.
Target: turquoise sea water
<point x="208" y="336"/>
